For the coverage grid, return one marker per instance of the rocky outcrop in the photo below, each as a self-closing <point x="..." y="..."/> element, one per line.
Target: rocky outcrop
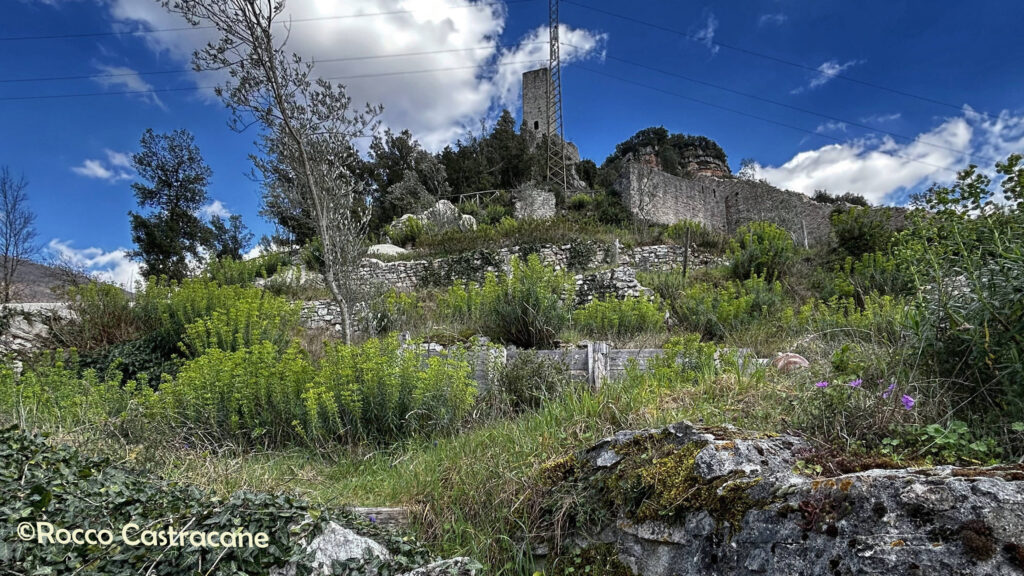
<point x="440" y="217"/>
<point x="687" y="500"/>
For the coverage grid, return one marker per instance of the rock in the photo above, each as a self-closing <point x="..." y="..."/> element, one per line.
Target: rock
<point x="533" y="202"/>
<point x="337" y="543"/>
<point x="787" y="362"/>
<point x="467" y="223"/>
<point x="727" y="501"/>
<point x="442" y="216"/>
<point x="386" y="250"/>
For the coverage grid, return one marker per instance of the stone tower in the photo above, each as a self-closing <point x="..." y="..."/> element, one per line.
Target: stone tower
<point x="536" y="92"/>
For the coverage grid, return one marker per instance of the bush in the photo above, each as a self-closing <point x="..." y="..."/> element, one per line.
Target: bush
<point x="700" y="235"/>
<point x="527" y="307"/>
<point x="54" y="393"/>
<point x="718" y="312"/>
<point x="230" y="317"/>
<point x="860" y="231"/>
<point x="761" y="249"/>
<point x="526" y="381"/>
<point x="380" y="392"/>
<point x="407" y="233"/>
<point x="376" y="392"/>
<point x="230" y="272"/>
<point x="102" y="315"/>
<point x="614" y="318"/>
<point x="393" y="311"/>
<point x="51" y="481"/>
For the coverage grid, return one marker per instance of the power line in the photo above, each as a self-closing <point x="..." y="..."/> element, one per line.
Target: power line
<point x="195" y="88"/>
<point x="748" y="115"/>
<point x="966" y="153"/>
<point x="749" y="52"/>
<point x="208" y="27"/>
<point x="315" y="61"/>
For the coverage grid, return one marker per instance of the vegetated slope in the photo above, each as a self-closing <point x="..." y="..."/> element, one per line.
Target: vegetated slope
<point x="35" y="282"/>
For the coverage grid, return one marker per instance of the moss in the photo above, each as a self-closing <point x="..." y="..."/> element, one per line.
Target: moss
<point x="977" y="539"/>
<point x="1010" y="473"/>
<point x="597" y="560"/>
<point x="658" y="480"/>
<point x="559" y="470"/>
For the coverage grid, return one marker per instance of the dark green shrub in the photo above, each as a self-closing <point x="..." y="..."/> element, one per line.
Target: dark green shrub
<point x="580" y="203"/>
<point x="103" y="315"/>
<point x="526" y="381"/>
<point x="527" y="307"/>
<point x="718" y="312"/>
<point x="761" y="249"/>
<point x="700" y="235"/>
<point x="860" y="231"/>
<point x="613" y="318"/>
<point x="408" y="233"/>
<point x="312" y="255"/>
<point x="51" y="481"/>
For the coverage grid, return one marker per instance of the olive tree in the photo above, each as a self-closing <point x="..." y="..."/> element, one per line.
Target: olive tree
<point x="308" y="126"/>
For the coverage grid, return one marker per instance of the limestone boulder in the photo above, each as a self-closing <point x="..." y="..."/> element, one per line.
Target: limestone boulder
<point x="386" y="250"/>
<point x="692" y="500"/>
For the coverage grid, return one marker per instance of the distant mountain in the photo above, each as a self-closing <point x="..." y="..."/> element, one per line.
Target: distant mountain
<point x="35" y="282"/>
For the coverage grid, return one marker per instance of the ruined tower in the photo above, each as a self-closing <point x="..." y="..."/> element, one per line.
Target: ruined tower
<point x="536" y="99"/>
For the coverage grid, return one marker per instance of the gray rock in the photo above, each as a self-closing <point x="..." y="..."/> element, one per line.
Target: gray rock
<point x="386" y="250"/>
<point x="442" y="216"/>
<point x="337" y="543"/>
<point x="467" y="223"/>
<point x="943" y="520"/>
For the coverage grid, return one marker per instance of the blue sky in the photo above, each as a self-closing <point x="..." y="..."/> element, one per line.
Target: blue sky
<point x="875" y="97"/>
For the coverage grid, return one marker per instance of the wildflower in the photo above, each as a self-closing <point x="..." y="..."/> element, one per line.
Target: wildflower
<point x="888" y="391"/>
<point x="821" y="384"/>
<point x="373" y="519"/>
<point x="908" y="402"/>
<point x="856" y="383"/>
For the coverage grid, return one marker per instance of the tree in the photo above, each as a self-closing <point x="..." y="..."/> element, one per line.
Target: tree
<point x="405" y="177"/>
<point x="229" y="239"/>
<point x="172" y="232"/>
<point x="17" y="230"/>
<point x="308" y="126"/>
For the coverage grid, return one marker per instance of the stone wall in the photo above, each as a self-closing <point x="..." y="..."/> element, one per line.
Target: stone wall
<point x="534" y="202"/>
<point x="410" y="274"/>
<point x="723" y="204"/>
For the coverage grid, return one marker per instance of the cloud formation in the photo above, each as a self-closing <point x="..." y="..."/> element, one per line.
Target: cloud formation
<point x="436" y="65"/>
<point x="114" y="266"/>
<point x="883" y="170"/>
<point x="215" y="208"/>
<point x="831" y="126"/>
<point x="126" y="79"/>
<point x="117" y="167"/>
<point x="706" y="35"/>
<point x="773" y="19"/>
<point x="826" y="72"/>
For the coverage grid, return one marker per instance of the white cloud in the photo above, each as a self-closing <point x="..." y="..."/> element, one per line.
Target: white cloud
<point x="831" y="126"/>
<point x="776" y="19"/>
<point x="881" y="118"/>
<point x="114" y="267"/>
<point x="460" y="37"/>
<point x="706" y="35"/>
<point x="115" y="169"/>
<point x="127" y="79"/>
<point x="826" y="72"/>
<point x="883" y="170"/>
<point x="215" y="208"/>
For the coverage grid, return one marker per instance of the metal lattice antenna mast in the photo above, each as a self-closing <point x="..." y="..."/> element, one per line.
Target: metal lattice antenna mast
<point x="556" y="131"/>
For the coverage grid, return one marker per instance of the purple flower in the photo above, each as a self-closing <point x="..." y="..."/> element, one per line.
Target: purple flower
<point x="888" y="391"/>
<point x="908" y="402"/>
<point x="856" y="383"/>
<point x="373" y="519"/>
<point x="821" y="384"/>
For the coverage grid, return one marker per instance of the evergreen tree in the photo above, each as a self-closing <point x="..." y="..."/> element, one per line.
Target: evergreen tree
<point x="177" y="177"/>
<point x="229" y="239"/>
